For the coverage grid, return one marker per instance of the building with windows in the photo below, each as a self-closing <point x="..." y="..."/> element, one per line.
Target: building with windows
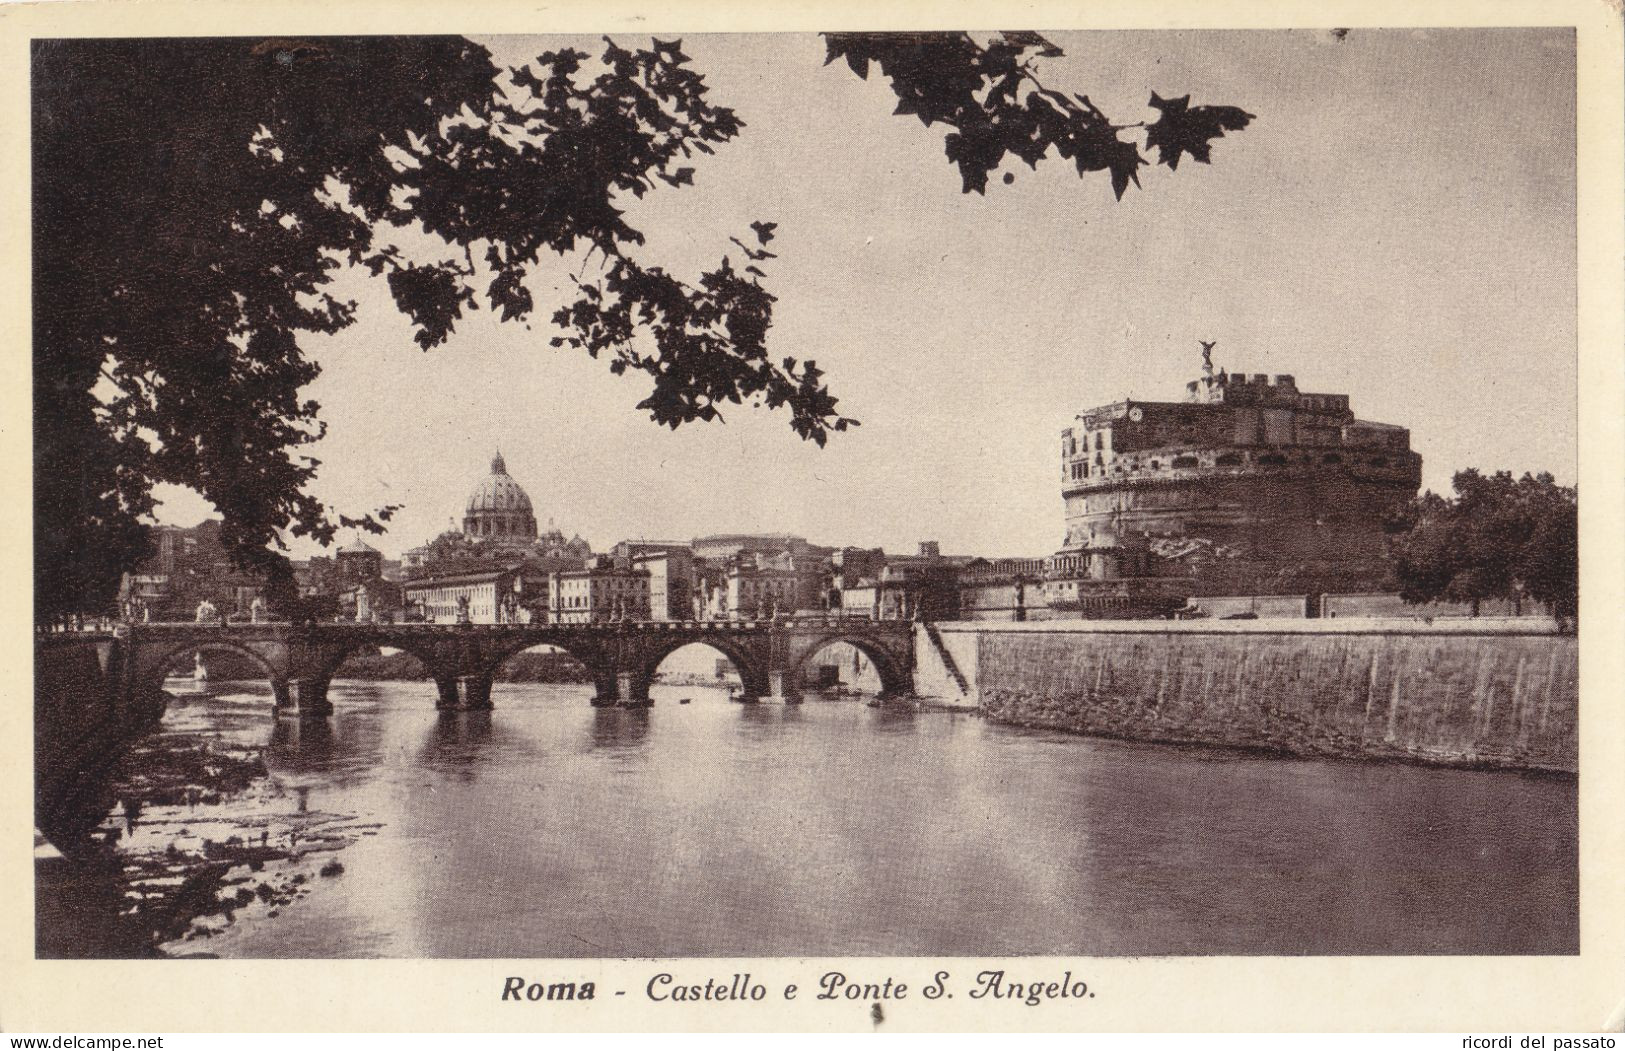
<point x="627" y="550"/>
<point x="1247" y="486"/>
<point x="723" y="546"/>
<point x="760" y="590"/>
<point x="511" y="595"/>
<point x="603" y="591"/>
<point x="671" y="580"/>
<point x="921" y="586"/>
<point x="741" y="576"/>
<point x="750" y="585"/>
<point x="1002" y="589"/>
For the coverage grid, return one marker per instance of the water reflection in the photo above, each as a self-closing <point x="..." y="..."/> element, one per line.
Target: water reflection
<point x="301" y="746"/>
<point x="461" y="733"/>
<point x="894" y="719"/>
<point x="832" y="828"/>
<point x="619" y="729"/>
<point x="762" y="721"/>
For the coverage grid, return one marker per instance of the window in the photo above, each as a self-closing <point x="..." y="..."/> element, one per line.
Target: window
<point x="1185" y="461"/>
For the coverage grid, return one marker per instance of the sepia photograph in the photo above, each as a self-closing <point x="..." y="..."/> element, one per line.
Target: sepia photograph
<point x="1041" y="493"/>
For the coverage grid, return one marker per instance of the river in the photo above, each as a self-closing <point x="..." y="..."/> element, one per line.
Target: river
<point x="548" y="828"/>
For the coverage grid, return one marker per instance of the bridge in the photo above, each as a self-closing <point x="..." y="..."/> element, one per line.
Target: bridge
<point x="96" y="694"/>
<point x="300" y="661"/>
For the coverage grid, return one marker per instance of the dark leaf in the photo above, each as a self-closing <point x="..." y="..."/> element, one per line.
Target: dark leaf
<point x="1026" y="39"/>
<point x="1186" y="129"/>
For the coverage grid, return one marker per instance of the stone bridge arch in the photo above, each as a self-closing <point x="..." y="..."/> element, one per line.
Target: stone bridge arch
<point x="152" y="660"/>
<point x="749" y="654"/>
<point x="586" y="650"/>
<point x="322" y="663"/>
<point x="891" y="654"/>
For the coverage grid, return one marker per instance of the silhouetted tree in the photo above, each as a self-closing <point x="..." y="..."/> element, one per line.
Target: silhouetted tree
<point x="992" y="99"/>
<point x="1496" y="538"/>
<point x="194" y="200"/>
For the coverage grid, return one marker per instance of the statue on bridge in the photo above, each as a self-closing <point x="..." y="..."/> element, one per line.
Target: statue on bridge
<point x="462" y="610"/>
<point x="206" y="613"/>
<point x="256" y="610"/>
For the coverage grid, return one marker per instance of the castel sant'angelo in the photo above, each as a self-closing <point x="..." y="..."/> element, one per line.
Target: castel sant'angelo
<point x="1247" y="486"/>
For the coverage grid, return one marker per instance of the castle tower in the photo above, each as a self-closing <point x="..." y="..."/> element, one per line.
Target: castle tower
<point x="1248" y="486"/>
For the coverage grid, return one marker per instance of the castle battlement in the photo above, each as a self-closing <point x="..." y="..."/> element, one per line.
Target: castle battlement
<point x="1241" y="387"/>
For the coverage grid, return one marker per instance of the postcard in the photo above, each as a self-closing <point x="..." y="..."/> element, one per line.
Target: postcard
<point x="705" y="517"/>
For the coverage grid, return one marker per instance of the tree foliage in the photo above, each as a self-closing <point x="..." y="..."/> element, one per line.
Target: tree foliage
<point x="991" y="98"/>
<point x="196" y="199"/>
<point x="452" y="553"/>
<point x="1496" y="538"/>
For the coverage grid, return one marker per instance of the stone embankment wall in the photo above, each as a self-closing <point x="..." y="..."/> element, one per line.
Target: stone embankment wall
<point x="1492" y="693"/>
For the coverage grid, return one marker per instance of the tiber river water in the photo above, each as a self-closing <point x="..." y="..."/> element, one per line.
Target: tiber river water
<point x="547" y="828"/>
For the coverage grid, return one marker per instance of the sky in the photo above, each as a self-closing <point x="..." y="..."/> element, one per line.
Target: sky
<point x="1397" y="225"/>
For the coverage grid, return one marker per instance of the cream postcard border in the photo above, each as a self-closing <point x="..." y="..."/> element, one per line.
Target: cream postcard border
<point x="1352" y="993"/>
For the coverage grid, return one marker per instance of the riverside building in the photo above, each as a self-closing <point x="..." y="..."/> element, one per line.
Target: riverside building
<point x="1249" y="486"/>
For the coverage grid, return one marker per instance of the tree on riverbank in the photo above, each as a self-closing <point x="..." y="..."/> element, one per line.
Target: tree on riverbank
<point x="1496" y="538"/>
<point x="195" y="199"/>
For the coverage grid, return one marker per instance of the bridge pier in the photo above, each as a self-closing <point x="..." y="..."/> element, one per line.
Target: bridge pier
<point x="464" y="693"/>
<point x="892" y="695"/>
<point x="606" y="691"/>
<point x="633" y="691"/>
<point x="786" y="693"/>
<point x="303" y="699"/>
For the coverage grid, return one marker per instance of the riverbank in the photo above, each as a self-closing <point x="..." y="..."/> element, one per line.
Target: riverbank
<point x="200" y="836"/>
